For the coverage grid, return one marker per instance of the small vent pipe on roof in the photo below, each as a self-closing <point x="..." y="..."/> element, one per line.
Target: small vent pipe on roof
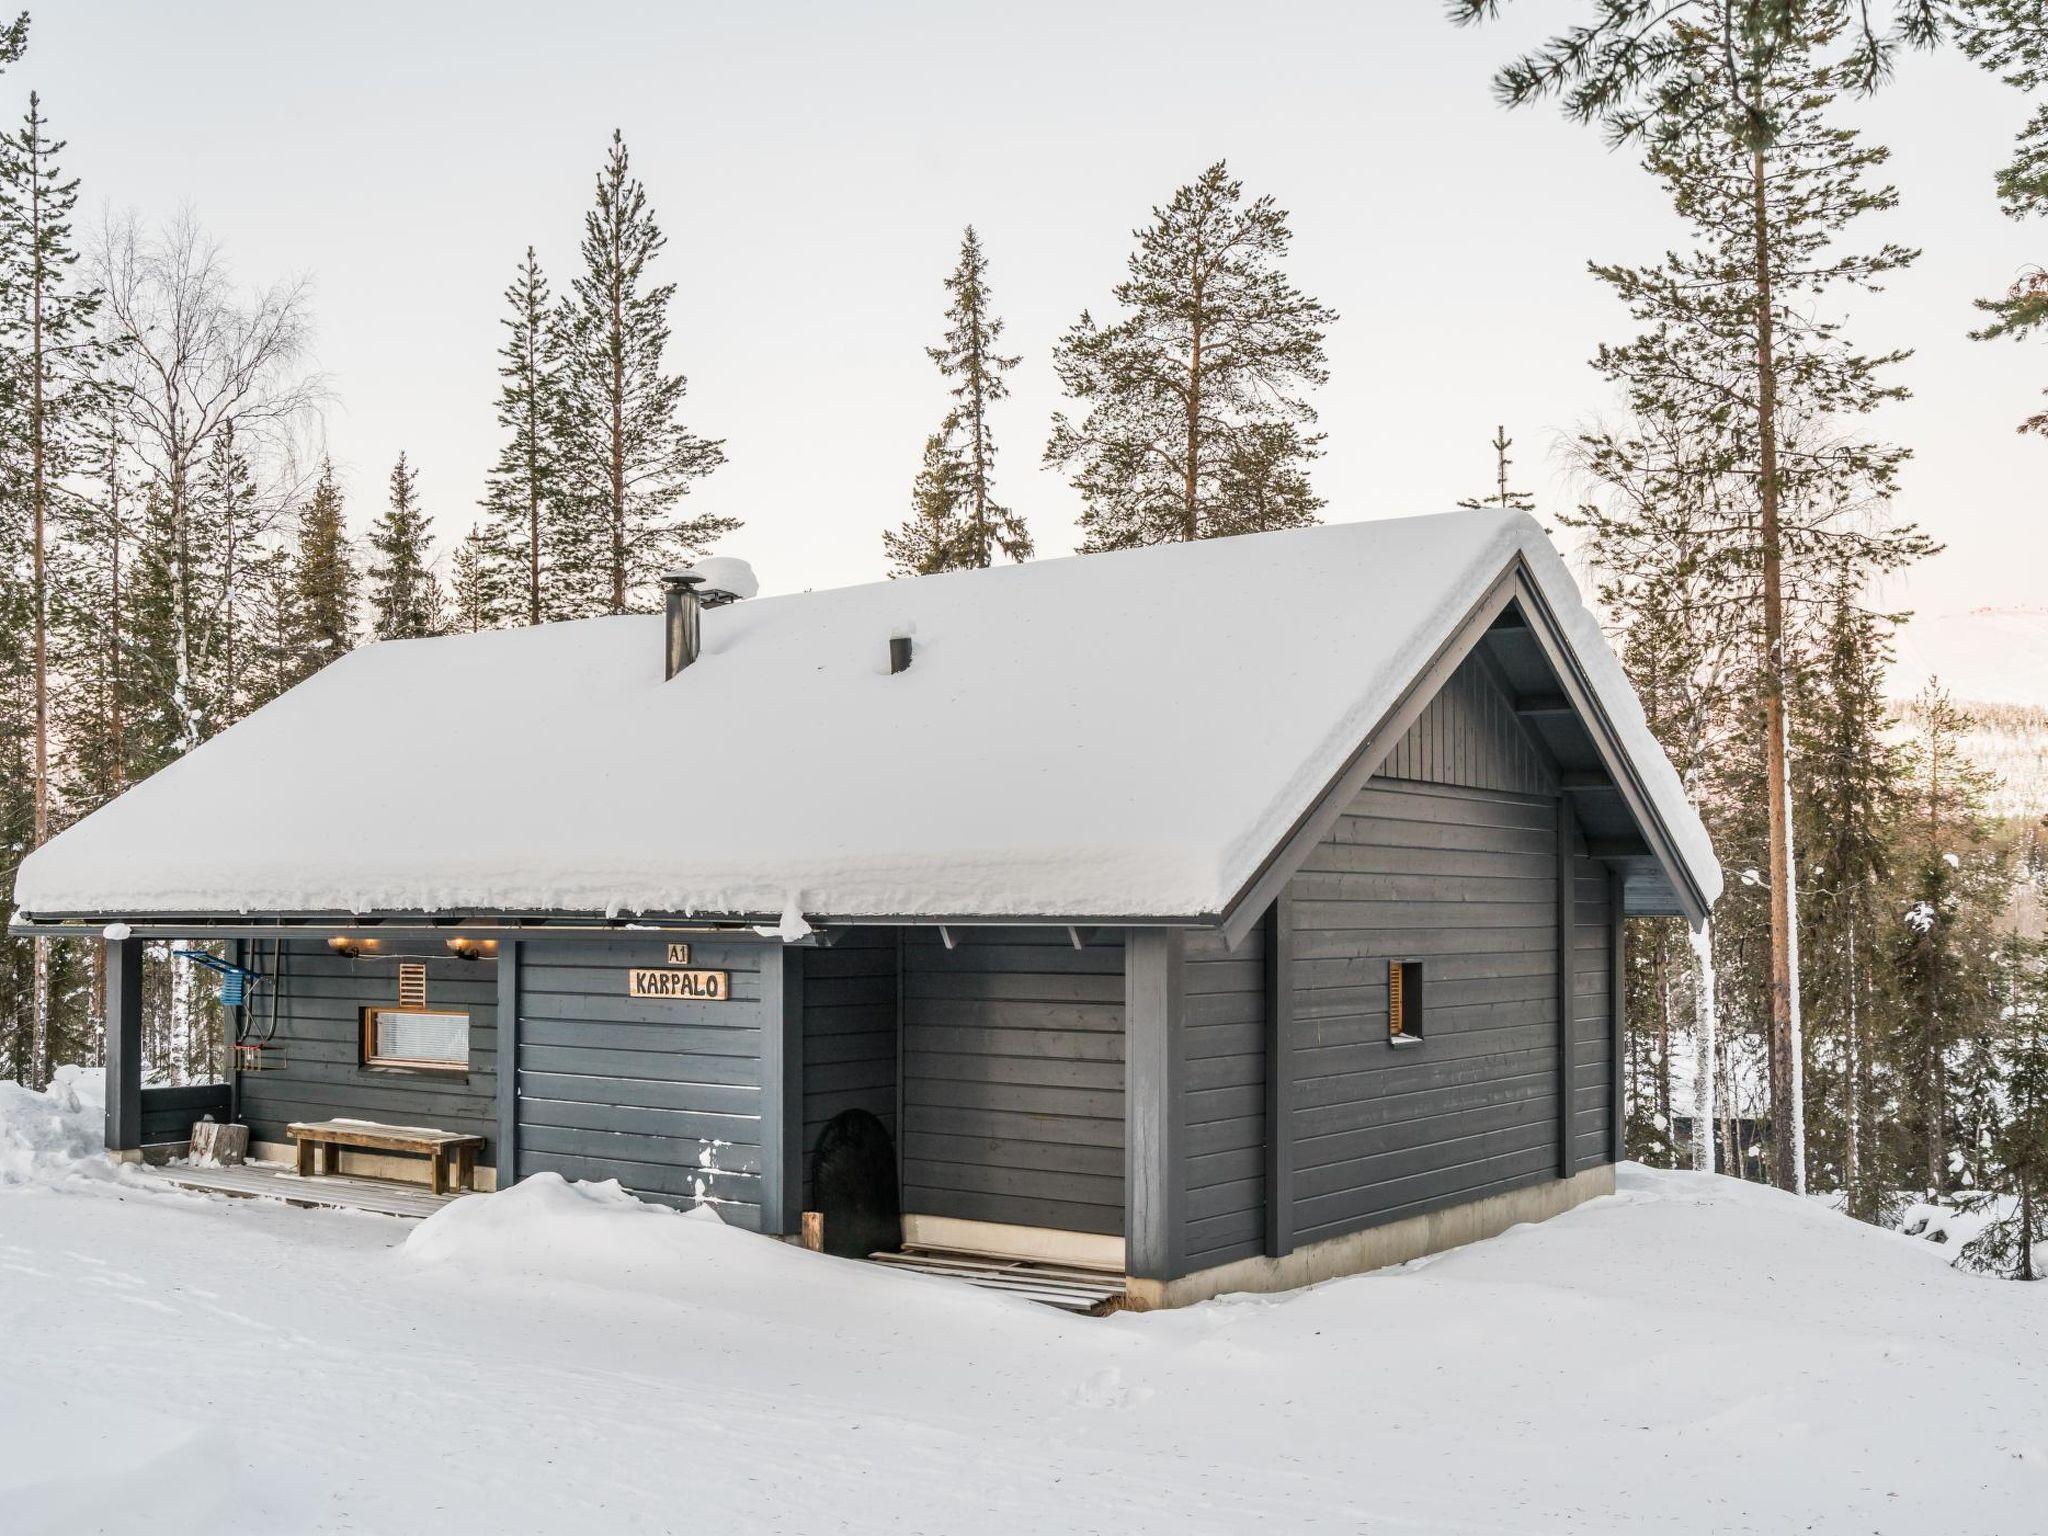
<point x="682" y="610"/>
<point x="722" y="581"/>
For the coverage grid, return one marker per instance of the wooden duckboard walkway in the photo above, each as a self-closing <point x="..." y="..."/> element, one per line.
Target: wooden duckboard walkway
<point x="1067" y="1287"/>
<point x="325" y="1192"/>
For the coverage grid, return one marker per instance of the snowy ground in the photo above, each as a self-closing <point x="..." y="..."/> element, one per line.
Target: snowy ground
<point x="1692" y="1355"/>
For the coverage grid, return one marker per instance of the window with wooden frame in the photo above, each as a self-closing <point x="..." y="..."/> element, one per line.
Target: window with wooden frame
<point x="416" y="1039"/>
<point x="1404" y="1002"/>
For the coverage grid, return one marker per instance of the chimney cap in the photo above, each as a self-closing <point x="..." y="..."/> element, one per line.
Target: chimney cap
<point x="682" y="578"/>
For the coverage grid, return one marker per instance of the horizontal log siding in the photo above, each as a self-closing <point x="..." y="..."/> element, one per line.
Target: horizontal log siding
<point x="849" y="1033"/>
<point x="1592" y="1020"/>
<point x="1464" y="881"/>
<point x="1470" y="736"/>
<point x="168" y="1114"/>
<point x="1226" y="1099"/>
<point x="320" y="997"/>
<point x="662" y="1094"/>
<point x="1013" y="1078"/>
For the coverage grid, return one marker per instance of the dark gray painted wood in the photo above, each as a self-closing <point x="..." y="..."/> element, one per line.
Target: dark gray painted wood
<point x="1617" y="1010"/>
<point x="851" y="1019"/>
<point x="663" y="1094"/>
<point x="1155" y="979"/>
<point x="124" y="1044"/>
<point x="168" y="1113"/>
<point x="508" y="1046"/>
<point x="1277" y="978"/>
<point x="1469" y="735"/>
<point x="1593" y="1056"/>
<point x="320" y="997"/>
<point x="1567" y="991"/>
<point x="782" y="1091"/>
<point x="1013" y="1078"/>
<point x="1222" y="1132"/>
<point x="1466" y="881"/>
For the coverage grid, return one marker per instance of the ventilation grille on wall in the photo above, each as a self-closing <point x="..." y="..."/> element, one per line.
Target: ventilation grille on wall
<point x="412" y="984"/>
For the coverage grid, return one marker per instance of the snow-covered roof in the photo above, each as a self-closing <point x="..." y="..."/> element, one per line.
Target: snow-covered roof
<point x="1128" y="734"/>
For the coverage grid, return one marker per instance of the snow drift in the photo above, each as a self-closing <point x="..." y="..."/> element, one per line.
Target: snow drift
<point x="59" y="1133"/>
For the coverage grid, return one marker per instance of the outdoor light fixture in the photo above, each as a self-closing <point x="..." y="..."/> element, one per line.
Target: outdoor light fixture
<point x="472" y="949"/>
<point x="349" y="948"/>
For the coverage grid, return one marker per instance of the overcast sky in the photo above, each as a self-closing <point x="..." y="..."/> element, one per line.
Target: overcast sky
<point x="812" y="166"/>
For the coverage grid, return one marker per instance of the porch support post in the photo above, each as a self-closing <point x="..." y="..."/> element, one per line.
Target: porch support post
<point x="1155" y="1103"/>
<point x="1617" y="1000"/>
<point x="782" y="1090"/>
<point x="1280" y="1076"/>
<point x="505" y="1154"/>
<point x="1567" y="923"/>
<point x="124" y="1048"/>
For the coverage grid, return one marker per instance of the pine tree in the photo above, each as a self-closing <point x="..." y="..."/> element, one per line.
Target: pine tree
<point x="324" y="580"/>
<point x="47" y="325"/>
<point x="405" y="599"/>
<point x="935" y="535"/>
<point x="969" y="357"/>
<point x="1738" y="346"/>
<point x="1502" y="495"/>
<point x="2009" y="38"/>
<point x="227" y="492"/>
<point x="626" y="460"/>
<point x="1197" y="419"/>
<point x="522" y="497"/>
<point x="476" y="600"/>
<point x="272" y="644"/>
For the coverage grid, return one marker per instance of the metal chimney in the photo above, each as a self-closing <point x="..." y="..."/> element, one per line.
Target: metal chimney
<point x="682" y="609"/>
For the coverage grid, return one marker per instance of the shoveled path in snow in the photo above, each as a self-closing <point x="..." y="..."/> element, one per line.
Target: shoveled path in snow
<point x="1692" y="1355"/>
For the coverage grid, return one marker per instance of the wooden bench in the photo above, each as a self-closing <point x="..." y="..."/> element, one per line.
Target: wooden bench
<point x="438" y="1147"/>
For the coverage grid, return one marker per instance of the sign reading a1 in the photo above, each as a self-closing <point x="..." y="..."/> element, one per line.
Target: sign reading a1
<point x="679" y="954"/>
<point x="701" y="986"/>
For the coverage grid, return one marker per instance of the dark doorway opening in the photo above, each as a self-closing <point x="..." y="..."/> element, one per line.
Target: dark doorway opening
<point x="853" y="1186"/>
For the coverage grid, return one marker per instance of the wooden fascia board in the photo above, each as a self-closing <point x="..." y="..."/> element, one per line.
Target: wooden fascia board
<point x="1243" y="911"/>
<point x="1515" y="585"/>
<point x="1549" y="636"/>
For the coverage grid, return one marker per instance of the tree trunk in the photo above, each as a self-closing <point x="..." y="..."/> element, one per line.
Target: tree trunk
<point x="1786" y="1110"/>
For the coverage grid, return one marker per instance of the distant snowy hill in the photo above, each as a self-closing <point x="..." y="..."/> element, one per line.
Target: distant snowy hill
<point x="1995" y="661"/>
<point x="1984" y="656"/>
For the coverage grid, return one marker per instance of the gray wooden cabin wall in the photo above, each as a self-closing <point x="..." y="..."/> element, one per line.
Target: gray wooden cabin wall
<point x="1449" y="857"/>
<point x="662" y="1094"/>
<point x="1593" y="1017"/>
<point x="849" y="1023"/>
<point x="1013" y="1078"/>
<point x="320" y="997"/>
<point x="1225" y="1093"/>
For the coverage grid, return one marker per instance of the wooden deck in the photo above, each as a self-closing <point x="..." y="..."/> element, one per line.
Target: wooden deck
<point x="327" y="1192"/>
<point x="1067" y="1287"/>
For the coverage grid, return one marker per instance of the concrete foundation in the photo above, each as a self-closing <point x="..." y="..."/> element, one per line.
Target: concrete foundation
<point x="1396" y="1242"/>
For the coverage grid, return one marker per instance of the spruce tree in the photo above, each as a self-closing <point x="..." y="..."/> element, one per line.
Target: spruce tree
<point x="46" y="328"/>
<point x="626" y="459"/>
<point x="272" y="643"/>
<point x="521" y="496"/>
<point x="324" y="580"/>
<point x="1952" y="887"/>
<point x="2018" y="1191"/>
<point x="936" y="534"/>
<point x="405" y="599"/>
<point x="1740" y="345"/>
<point x="1197" y="421"/>
<point x="969" y="357"/>
<point x="1502" y="496"/>
<point x="476" y="599"/>
<point x="227" y="492"/>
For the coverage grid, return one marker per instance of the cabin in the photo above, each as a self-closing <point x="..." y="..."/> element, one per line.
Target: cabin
<point x="1216" y="917"/>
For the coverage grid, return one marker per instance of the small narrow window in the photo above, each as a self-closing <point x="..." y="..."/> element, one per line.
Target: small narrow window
<point x="415" y="1038"/>
<point x="1404" y="1000"/>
